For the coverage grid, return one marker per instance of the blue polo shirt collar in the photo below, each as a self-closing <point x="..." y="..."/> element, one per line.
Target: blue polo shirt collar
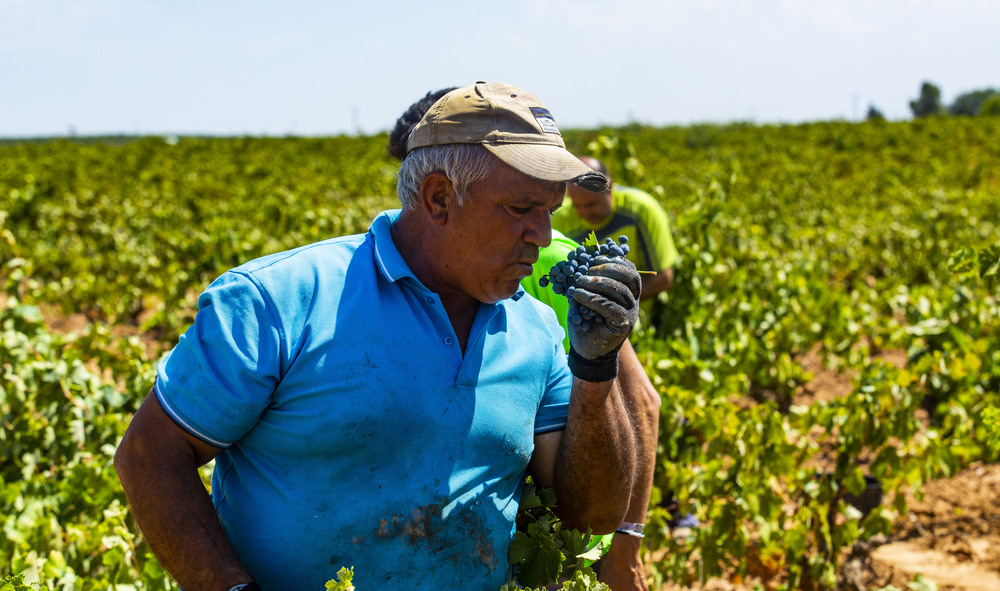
<point x="387" y="258"/>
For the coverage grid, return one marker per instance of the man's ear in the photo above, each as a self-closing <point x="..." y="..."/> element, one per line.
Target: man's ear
<point x="437" y="195"/>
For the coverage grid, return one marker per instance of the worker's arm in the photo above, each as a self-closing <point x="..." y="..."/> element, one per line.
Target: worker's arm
<point x="157" y="463"/>
<point x="593" y="464"/>
<point x="652" y="285"/>
<point x="622" y="567"/>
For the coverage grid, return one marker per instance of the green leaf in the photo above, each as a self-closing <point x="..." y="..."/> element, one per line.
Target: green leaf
<point x="594" y="553"/>
<point x="576" y="544"/>
<point x="537" y="559"/>
<point x="989" y="261"/>
<point x="963" y="262"/>
<point x="922" y="583"/>
<point x="584" y="580"/>
<point x="343" y="580"/>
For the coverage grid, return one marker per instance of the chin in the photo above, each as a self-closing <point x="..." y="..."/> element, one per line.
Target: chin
<point x="502" y="292"/>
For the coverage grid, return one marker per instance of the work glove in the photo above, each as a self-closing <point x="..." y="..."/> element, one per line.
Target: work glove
<point x="603" y="310"/>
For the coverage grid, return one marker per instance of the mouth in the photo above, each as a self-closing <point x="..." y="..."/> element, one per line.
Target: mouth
<point x="527" y="260"/>
<point x="525" y="268"/>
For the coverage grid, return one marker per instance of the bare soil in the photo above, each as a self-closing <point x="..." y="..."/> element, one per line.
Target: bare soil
<point x="951" y="531"/>
<point x="951" y="535"/>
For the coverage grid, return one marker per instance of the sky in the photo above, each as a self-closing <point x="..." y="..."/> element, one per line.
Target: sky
<point x="316" y="68"/>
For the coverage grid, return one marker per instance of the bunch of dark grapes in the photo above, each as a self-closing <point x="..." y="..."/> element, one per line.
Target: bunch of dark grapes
<point x="563" y="275"/>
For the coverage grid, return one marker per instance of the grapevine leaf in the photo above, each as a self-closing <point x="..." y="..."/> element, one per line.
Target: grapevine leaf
<point x="584" y="580"/>
<point x="547" y="496"/>
<point x="594" y="553"/>
<point x="591" y="240"/>
<point x="538" y="560"/>
<point x="922" y="583"/>
<point x="991" y="423"/>
<point x="989" y="261"/>
<point x="962" y="262"/>
<point x="575" y="544"/>
<point x="343" y="580"/>
<point x="530" y="498"/>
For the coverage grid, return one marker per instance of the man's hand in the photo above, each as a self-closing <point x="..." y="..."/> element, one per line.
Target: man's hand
<point x="611" y="289"/>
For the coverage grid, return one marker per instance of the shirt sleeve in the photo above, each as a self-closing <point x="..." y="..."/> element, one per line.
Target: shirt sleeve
<point x="219" y="378"/>
<point x="554" y="408"/>
<point x="661" y="238"/>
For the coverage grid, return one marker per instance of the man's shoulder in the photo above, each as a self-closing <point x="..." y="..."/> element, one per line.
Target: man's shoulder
<point x="327" y="253"/>
<point x="634" y="196"/>
<point x="330" y="254"/>
<point x="638" y="204"/>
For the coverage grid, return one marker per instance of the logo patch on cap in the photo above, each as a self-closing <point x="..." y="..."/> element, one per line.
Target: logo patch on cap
<point x="545" y="120"/>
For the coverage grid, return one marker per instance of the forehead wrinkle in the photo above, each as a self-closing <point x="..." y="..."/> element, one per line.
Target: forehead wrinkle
<point x="554" y="191"/>
<point x="537" y="193"/>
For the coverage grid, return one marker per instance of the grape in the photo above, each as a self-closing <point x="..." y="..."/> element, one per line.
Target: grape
<point x="564" y="274"/>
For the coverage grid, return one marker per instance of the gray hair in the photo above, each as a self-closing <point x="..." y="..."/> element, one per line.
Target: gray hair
<point x="463" y="164"/>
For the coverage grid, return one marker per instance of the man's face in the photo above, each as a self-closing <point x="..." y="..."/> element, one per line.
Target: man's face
<point x="495" y="236"/>
<point x="594" y="208"/>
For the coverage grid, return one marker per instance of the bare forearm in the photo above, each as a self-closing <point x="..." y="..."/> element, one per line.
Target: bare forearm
<point x="643" y="405"/>
<point x="172" y="508"/>
<point x="595" y="465"/>
<point x="185" y="534"/>
<point x="652" y="285"/>
<point x="622" y="567"/>
<point x="645" y="464"/>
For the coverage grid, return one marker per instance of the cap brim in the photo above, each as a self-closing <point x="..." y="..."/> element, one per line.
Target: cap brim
<point x="549" y="163"/>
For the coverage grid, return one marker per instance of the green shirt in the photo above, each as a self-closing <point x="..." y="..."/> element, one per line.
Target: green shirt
<point x="547" y="257"/>
<point x="634" y="213"/>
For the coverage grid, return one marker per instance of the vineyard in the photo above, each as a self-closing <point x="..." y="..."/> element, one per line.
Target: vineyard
<point x="869" y="252"/>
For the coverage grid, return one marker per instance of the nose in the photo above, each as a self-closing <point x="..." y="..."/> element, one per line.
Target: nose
<point x="539" y="229"/>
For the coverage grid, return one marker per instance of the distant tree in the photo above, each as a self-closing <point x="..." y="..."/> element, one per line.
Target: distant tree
<point x="991" y="106"/>
<point x="874" y="114"/>
<point x="970" y="103"/>
<point x="929" y="102"/>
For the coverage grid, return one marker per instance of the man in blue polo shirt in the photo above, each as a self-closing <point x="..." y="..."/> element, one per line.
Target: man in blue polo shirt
<point x="621" y="565"/>
<point x="374" y="401"/>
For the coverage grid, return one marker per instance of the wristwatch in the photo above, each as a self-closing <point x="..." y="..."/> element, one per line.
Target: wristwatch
<point x="245" y="587"/>
<point x="631" y="529"/>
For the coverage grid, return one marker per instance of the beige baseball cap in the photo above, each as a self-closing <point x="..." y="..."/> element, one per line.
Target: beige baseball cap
<point x="512" y="124"/>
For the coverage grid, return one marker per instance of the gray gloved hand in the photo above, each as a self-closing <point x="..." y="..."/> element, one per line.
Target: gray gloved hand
<point x="610" y="290"/>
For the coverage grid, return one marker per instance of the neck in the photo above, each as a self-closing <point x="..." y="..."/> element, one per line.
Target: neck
<point x="418" y="247"/>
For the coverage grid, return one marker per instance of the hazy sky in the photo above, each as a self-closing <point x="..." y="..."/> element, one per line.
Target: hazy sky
<point x="317" y="68"/>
